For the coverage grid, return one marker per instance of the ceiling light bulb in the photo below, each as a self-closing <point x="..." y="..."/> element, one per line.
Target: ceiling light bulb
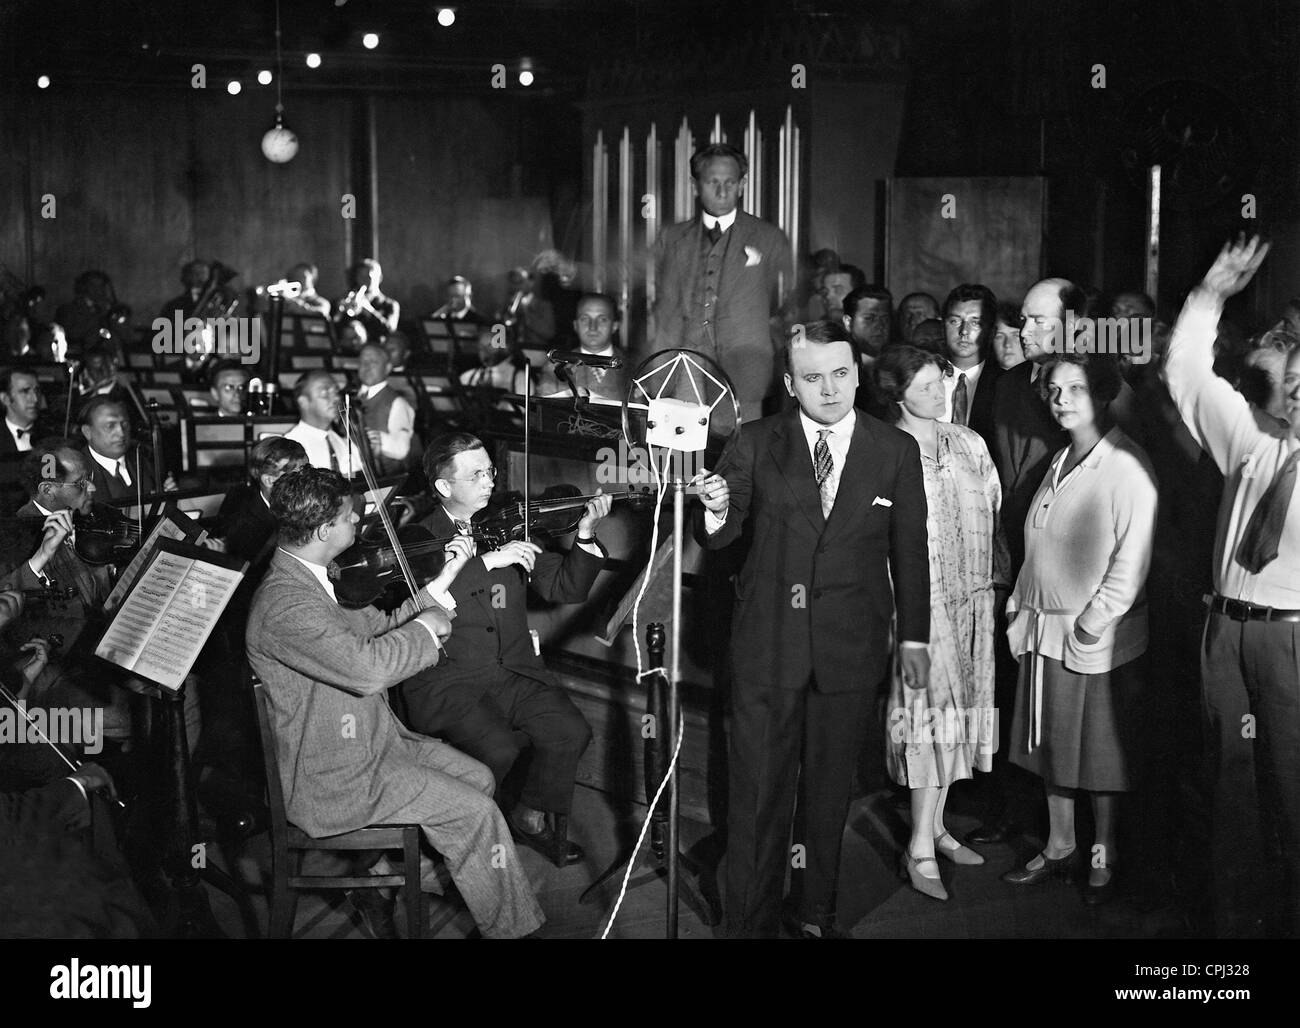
<point x="313" y="60"/>
<point x="525" y="78"/>
<point x="370" y="40"/>
<point x="446" y="16"/>
<point x="264" y="77"/>
<point x="233" y="87"/>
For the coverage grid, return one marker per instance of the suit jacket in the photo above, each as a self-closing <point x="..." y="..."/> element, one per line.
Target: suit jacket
<point x="110" y="487"/>
<point x="739" y="335"/>
<point x="982" y="403"/>
<point x="492" y="620"/>
<point x="814" y="594"/>
<point x="345" y="760"/>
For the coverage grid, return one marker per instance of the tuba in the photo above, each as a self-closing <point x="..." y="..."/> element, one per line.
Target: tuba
<point x="214" y="302"/>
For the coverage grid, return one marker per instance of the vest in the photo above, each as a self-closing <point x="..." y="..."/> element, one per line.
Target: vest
<point x="702" y="306"/>
<point x="375" y="411"/>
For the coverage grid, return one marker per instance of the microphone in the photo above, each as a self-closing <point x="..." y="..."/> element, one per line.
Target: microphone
<point x="589" y="360"/>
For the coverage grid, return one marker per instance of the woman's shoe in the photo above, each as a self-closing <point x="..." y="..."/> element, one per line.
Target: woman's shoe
<point x="955" y="851"/>
<point x="1096" y="895"/>
<point x="909" y="870"/>
<point x="1058" y="867"/>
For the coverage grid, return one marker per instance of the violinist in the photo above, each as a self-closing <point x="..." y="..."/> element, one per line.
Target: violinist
<point x="494" y="682"/>
<point x="114" y="462"/>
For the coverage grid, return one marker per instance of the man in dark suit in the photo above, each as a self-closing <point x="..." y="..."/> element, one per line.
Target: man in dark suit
<point x="867" y="318"/>
<point x="115" y="465"/>
<point x="718" y="278"/>
<point x="838" y="512"/>
<point x="494" y="683"/>
<point x="970" y="318"/>
<point x="20" y="397"/>
<point x="596" y="323"/>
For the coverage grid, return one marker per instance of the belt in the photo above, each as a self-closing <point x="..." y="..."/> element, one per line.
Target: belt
<point x="1240" y="610"/>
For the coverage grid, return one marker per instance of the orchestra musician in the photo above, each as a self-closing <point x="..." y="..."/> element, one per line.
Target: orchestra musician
<point x="308" y="301"/>
<point x="596" y="323"/>
<point x="495" y="683"/>
<point x="530" y="316"/>
<point x="194" y="276"/>
<point x="367" y="302"/>
<point x="21" y="399"/>
<point x="500" y="366"/>
<point x="386" y="415"/>
<point x="324" y="666"/>
<point x="114" y="462"/>
<point x="317" y="396"/>
<point x="460" y="303"/>
<point x="228" y="388"/>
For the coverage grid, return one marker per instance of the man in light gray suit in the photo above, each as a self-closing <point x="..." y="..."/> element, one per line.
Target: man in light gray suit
<point x="345" y="760"/>
<point x="720" y="278"/>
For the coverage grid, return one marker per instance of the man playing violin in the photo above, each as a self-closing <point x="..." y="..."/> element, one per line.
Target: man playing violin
<point x="494" y="683"/>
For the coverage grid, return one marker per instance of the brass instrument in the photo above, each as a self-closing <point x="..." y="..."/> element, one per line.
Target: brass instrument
<point x="353" y="304"/>
<point x="214" y="302"/>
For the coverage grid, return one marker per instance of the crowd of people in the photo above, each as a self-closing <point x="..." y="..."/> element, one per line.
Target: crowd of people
<point x="972" y="539"/>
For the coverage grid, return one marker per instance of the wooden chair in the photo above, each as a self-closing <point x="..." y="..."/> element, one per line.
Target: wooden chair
<point x="289" y="844"/>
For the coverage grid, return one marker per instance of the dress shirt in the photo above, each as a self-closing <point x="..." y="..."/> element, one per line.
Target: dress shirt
<point x="950" y="387"/>
<point x="563" y="392"/>
<point x="317" y="441"/>
<point x="111" y="467"/>
<point x="395" y="441"/>
<point x="322" y="576"/>
<point x="1248" y="450"/>
<point x="724" y="222"/>
<point x="24" y="441"/>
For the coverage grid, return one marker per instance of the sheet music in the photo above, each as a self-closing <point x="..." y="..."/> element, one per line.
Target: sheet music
<point x="167" y="618"/>
<point x="165" y="529"/>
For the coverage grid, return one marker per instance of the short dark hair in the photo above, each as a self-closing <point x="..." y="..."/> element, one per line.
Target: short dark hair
<point x="613" y="307"/>
<point x="35" y="465"/>
<point x="1009" y="313"/>
<point x="98" y="403"/>
<point x="267" y="453"/>
<point x="221" y="367"/>
<point x="816" y="332"/>
<point x="897" y="366"/>
<point x="704" y="154"/>
<point x="1100" y="369"/>
<point x="442" y="451"/>
<point x="965" y="293"/>
<point x="857" y="277"/>
<point x="303" y="500"/>
<point x="362" y="269"/>
<point x="932" y="326"/>
<point x="304" y="267"/>
<point x="915" y="296"/>
<point x="306" y="379"/>
<point x="7" y="378"/>
<point x="870" y="291"/>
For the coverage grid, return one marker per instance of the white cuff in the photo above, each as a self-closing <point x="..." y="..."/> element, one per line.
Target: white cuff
<point x="442" y="598"/>
<point x="908" y="644"/>
<point x="713" y="523"/>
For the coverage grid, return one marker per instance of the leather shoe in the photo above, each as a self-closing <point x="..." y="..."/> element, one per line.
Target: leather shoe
<point x="1096" y="895"/>
<point x="956" y="852"/>
<point x="376" y="912"/>
<point x="1052" y="867"/>
<point x="547" y="844"/>
<point x="909" y="869"/>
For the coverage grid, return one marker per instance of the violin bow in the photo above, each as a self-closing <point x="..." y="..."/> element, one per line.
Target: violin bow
<point x="390" y="530"/>
<point x="18" y="705"/>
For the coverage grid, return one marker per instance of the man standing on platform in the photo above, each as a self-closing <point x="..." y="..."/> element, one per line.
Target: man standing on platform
<point x="839" y="515"/>
<point x="722" y="278"/>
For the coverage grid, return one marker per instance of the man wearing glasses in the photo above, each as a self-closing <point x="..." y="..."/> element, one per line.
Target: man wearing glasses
<point x="229" y="383"/>
<point x="492" y="687"/>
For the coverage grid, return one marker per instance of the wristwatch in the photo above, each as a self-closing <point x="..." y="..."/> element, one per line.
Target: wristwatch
<point x="589" y="539"/>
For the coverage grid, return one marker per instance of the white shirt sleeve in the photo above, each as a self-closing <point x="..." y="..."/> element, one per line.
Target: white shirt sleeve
<point x="396" y="442"/>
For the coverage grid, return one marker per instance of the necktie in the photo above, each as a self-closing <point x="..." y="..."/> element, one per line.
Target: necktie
<point x="119" y="472"/>
<point x="334" y="457"/>
<point x="1260" y="541"/>
<point x="822" y="466"/>
<point x="960" y="401"/>
<point x="462" y="527"/>
<point x="715" y="233"/>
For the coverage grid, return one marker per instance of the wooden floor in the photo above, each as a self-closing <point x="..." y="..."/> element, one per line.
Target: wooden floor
<point x="873" y="903"/>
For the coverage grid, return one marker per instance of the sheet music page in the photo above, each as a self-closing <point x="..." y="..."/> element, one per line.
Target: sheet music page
<point x="168" y="617"/>
<point x="165" y="529"/>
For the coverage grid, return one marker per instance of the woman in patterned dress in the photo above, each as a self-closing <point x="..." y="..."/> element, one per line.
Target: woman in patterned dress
<point x="946" y="731"/>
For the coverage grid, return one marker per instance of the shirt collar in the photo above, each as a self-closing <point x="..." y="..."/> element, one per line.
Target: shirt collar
<point x="109" y="464"/>
<point x="15" y="429"/>
<point x="725" y="222"/>
<point x="842" y="429"/>
<point x="44" y="513"/>
<point x="324" y="433"/>
<point x="370" y="391"/>
<point x="317" y="570"/>
<point x="607" y="352"/>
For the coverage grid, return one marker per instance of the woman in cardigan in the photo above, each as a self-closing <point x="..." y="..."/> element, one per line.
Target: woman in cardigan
<point x="1078" y="620"/>
<point x="946" y="731"/>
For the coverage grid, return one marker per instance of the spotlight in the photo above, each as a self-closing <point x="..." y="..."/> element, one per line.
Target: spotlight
<point x="233" y="87"/>
<point x="264" y="77"/>
<point x="43" y="82"/>
<point x="370" y="40"/>
<point x="446" y="16"/>
<point x="313" y="60"/>
<point x="525" y="78"/>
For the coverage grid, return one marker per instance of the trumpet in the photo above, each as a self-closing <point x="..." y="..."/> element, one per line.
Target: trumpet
<point x="353" y="304"/>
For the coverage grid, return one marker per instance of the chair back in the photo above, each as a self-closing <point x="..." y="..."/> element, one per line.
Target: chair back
<point x="271" y="763"/>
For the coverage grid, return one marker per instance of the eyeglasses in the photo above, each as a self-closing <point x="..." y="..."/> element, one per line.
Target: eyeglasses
<point x="77" y="483"/>
<point x="482" y="475"/>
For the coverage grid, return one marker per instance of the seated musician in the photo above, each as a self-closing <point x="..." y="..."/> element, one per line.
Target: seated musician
<point x="500" y="366"/>
<point x="317" y="396"/>
<point x="86" y="317"/>
<point x="38" y="552"/>
<point x="531" y="317"/>
<point x="308" y="301"/>
<point x="399" y="352"/>
<point x="352" y="335"/>
<point x="21" y="400"/>
<point x="460" y="303"/>
<point x="98" y="375"/>
<point x="228" y="385"/>
<point x="345" y="760"/>
<point x="387" y="416"/>
<point x="596" y="323"/>
<point x="367" y="302"/>
<point x="194" y="276"/>
<point x="117" y="468"/>
<point x="244" y="520"/>
<point x="495" y="682"/>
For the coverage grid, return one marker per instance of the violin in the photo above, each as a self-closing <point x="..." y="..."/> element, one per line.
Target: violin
<point x="364" y="571"/>
<point x="105" y="535"/>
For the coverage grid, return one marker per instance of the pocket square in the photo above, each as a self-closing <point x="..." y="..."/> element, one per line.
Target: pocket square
<point x="752" y="256"/>
<point x="880" y="501"/>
